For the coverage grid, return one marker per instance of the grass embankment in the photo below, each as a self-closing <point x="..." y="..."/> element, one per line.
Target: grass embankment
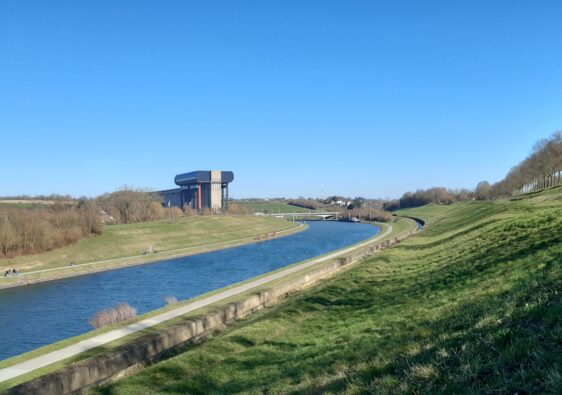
<point x="123" y="245"/>
<point x="398" y="226"/>
<point x="470" y="305"/>
<point x="271" y="207"/>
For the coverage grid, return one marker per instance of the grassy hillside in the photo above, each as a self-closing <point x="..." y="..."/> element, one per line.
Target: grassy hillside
<point x="470" y="305"/>
<point x="133" y="239"/>
<point x="271" y="207"/>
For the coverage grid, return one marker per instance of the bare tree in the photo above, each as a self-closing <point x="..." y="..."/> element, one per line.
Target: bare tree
<point x="540" y="170"/>
<point x="482" y="190"/>
<point x="130" y="205"/>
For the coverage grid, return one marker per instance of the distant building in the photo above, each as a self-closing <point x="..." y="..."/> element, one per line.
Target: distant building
<point x="341" y="203"/>
<point x="200" y="189"/>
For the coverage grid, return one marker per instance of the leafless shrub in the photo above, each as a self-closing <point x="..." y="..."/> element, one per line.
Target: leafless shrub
<point x="122" y="312"/>
<point x="482" y="190"/>
<point x="205" y="211"/>
<point x="157" y="211"/>
<point x="173" y="213"/>
<point x="189" y="211"/>
<point x="170" y="300"/>
<point x="129" y="205"/>
<point x="125" y="312"/>
<point x="28" y="232"/>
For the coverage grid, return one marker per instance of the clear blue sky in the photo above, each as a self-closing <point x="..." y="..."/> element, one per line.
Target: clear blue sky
<point x="296" y="97"/>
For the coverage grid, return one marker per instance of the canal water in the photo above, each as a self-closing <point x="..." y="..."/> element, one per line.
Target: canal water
<point x="36" y="315"/>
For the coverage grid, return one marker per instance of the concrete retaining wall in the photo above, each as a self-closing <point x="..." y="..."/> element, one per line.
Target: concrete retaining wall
<point x="81" y="376"/>
<point x="418" y="220"/>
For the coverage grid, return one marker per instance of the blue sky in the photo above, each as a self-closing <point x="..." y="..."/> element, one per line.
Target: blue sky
<point x="297" y="98"/>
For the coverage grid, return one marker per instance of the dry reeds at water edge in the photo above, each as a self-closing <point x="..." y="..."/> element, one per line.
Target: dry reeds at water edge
<point x="170" y="299"/>
<point x="122" y="312"/>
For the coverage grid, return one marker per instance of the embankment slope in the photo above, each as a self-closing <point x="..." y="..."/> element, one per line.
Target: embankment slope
<point x="471" y="304"/>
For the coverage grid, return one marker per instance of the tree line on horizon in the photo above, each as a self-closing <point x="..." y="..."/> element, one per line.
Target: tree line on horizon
<point x="54" y="197"/>
<point x="542" y="169"/>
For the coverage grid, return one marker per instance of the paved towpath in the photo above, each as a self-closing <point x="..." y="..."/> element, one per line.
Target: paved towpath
<point x="96" y="341"/>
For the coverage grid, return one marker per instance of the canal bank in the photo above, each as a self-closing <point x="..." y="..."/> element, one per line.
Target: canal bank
<point x="24" y="278"/>
<point x="66" y="306"/>
<point x="248" y="301"/>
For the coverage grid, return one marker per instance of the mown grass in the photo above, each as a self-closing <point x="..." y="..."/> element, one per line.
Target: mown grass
<point x="271" y="207"/>
<point x="470" y="305"/>
<point x="432" y="212"/>
<point x="119" y="241"/>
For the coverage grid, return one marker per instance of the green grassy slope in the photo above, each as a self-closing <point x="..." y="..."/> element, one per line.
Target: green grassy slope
<point x="431" y="212"/>
<point x="272" y="207"/>
<point x="470" y="305"/>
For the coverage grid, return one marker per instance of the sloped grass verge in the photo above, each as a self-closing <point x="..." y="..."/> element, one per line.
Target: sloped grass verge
<point x="470" y="305"/>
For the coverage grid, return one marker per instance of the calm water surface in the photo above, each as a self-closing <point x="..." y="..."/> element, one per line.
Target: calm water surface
<point x="36" y="315"/>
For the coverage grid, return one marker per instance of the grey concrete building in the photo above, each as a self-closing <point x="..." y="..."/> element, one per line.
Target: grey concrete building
<point x="200" y="189"/>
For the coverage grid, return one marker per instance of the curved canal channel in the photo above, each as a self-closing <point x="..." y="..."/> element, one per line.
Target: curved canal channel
<point x="37" y="315"/>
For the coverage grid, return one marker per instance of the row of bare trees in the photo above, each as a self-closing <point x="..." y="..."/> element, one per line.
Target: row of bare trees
<point x="437" y="195"/>
<point x="27" y="232"/>
<point x="369" y="214"/>
<point x="540" y="170"/>
<point x="45" y="227"/>
<point x="40" y="228"/>
<point x="54" y="197"/>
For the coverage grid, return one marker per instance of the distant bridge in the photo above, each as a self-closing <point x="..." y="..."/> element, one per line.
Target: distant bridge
<point x="304" y="215"/>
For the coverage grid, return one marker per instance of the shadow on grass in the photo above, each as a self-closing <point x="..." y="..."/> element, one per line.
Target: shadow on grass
<point x="507" y="343"/>
<point x="486" y="350"/>
<point x="487" y="320"/>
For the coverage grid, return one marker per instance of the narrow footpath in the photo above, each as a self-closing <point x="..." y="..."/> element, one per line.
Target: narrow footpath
<point x="99" y="340"/>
